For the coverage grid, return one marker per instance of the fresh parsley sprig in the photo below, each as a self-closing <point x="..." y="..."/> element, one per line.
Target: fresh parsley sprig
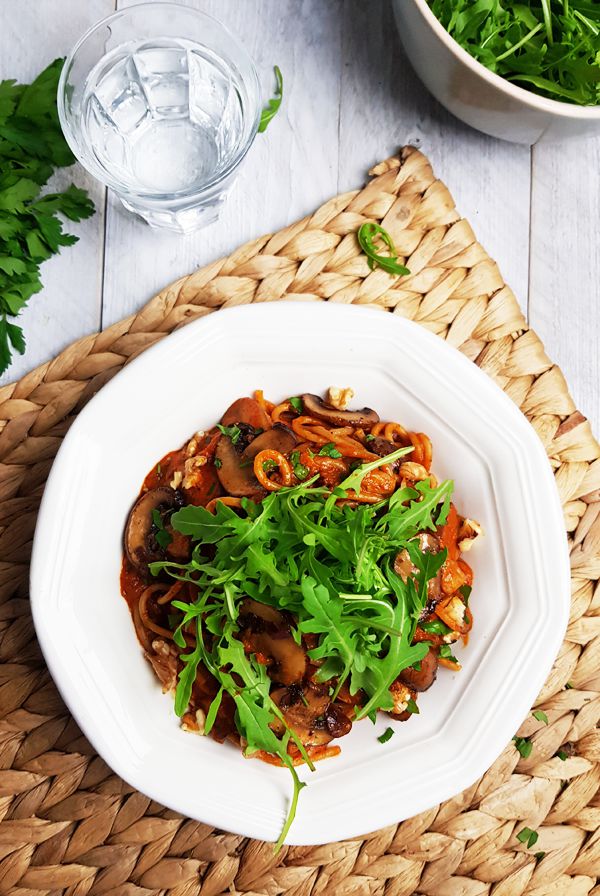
<point x="31" y="146"/>
<point x="272" y="107"/>
<point x="370" y="238"/>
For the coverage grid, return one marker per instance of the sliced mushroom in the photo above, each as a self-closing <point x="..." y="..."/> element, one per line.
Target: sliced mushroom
<point x="421" y="679"/>
<point x="316" y="407"/>
<point x="280" y="438"/>
<point x="304" y="710"/>
<point x="236" y="477"/>
<point x="246" y="410"/>
<point x="236" y="473"/>
<point x="268" y="635"/>
<point x="380" y="446"/>
<point x="140" y="545"/>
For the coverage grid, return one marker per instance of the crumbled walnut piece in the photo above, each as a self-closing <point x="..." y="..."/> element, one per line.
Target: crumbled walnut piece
<point x="468" y="532"/>
<point x="176" y="480"/>
<point x="194" y="722"/>
<point x="339" y="398"/>
<point x="191" y="466"/>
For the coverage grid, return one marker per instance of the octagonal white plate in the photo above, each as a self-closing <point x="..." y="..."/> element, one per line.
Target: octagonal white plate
<point x="520" y="600"/>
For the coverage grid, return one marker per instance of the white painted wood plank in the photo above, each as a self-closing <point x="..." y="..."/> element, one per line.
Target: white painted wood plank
<point x="70" y="303"/>
<point x="384" y="105"/>
<point x="565" y="264"/>
<point x="290" y="169"/>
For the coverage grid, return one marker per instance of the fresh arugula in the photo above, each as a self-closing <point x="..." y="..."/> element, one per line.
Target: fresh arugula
<point x="329" y="565"/>
<point x="31" y="146"/>
<point x="551" y="47"/>
<point x="370" y="237"/>
<point x="272" y="107"/>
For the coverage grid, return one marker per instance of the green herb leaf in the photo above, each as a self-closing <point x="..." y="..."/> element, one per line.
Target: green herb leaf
<point x="387" y="735"/>
<point x="232" y="432"/>
<point x="540" y="715"/>
<point x="31" y="146"/>
<point x="368" y="235"/>
<point x="329" y="450"/>
<point x="562" y="754"/>
<point x="523" y="745"/>
<point x="412" y="707"/>
<point x="296" y="403"/>
<point x="446" y="653"/>
<point x="551" y="47"/>
<point x="162" y="537"/>
<point x="528" y="836"/>
<point x="272" y="107"/>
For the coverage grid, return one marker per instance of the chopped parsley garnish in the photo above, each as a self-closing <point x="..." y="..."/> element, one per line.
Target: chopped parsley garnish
<point x="528" y="836"/>
<point x="412" y="707"/>
<point x="387" y="735"/>
<point x="232" y="432"/>
<point x="369" y="437"/>
<point x="562" y="754"/>
<point x="163" y="538"/>
<point x="540" y="716"/>
<point x="300" y="470"/>
<point x="329" y="450"/>
<point x="218" y="463"/>
<point x="300" y="547"/>
<point x="269" y="464"/>
<point x="296" y="403"/>
<point x="523" y="745"/>
<point x="446" y="653"/>
<point x="372" y="238"/>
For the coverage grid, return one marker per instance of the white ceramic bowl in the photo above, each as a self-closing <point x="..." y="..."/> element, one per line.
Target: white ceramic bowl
<point x="520" y="600"/>
<point x="476" y="95"/>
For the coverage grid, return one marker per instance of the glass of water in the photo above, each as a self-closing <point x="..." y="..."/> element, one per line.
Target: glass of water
<point x="161" y="103"/>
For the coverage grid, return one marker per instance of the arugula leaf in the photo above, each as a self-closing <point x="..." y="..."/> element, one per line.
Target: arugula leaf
<point x="31" y="145"/>
<point x="328" y="564"/>
<point x="272" y="107"/>
<point x="367" y="235"/>
<point x="551" y="47"/>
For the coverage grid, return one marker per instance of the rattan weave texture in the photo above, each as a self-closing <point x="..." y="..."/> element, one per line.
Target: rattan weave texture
<point x="69" y="826"/>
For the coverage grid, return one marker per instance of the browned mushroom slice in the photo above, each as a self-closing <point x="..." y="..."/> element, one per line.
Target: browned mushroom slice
<point x="140" y="545"/>
<point x="246" y="410"/>
<point x="236" y="477"/>
<point x="280" y="438"/>
<point x="380" y="446"/>
<point x="316" y="407"/>
<point x="304" y="710"/>
<point x="236" y="472"/>
<point x="421" y="679"/>
<point x="266" y="633"/>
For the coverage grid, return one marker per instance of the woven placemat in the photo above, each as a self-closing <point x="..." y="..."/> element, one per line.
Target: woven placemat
<point x="68" y="825"/>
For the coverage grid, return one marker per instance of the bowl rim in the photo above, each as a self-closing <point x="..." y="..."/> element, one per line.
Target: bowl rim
<point x="515" y="92"/>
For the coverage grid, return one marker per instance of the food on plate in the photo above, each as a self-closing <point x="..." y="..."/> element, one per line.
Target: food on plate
<point x="294" y="569"/>
<point x="551" y="47"/>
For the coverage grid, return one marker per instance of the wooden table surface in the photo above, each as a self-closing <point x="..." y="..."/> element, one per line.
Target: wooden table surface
<point x="351" y="99"/>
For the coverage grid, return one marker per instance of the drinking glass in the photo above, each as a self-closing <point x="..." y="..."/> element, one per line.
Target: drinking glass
<point x="161" y="103"/>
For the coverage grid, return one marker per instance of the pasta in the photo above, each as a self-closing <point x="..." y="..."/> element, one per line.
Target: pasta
<point x="243" y="540"/>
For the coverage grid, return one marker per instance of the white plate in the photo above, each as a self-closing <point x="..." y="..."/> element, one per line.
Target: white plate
<point x="520" y="600"/>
